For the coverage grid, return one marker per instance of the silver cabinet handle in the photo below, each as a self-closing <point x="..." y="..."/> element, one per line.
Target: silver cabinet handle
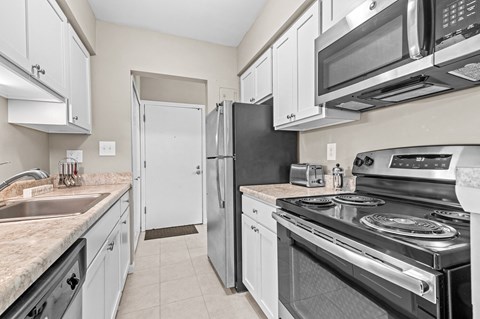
<point x="255" y="211"/>
<point x="42" y="71"/>
<point x="75" y="118"/>
<point x="111" y="245"/>
<point x="35" y="67"/>
<point x="412" y="30"/>
<point x="292" y="115"/>
<point x="252" y="227"/>
<point x="124" y="222"/>
<point x="198" y="172"/>
<point x="126" y="201"/>
<point x="289" y="116"/>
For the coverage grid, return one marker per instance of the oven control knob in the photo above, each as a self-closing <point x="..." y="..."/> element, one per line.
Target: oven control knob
<point x="368" y="161"/>
<point x="73" y="281"/>
<point x="358" y="162"/>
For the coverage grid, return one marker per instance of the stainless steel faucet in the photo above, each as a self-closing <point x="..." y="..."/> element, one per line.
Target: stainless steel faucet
<point x="34" y="173"/>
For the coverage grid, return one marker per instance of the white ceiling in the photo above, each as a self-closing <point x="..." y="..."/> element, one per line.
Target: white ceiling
<point x="219" y="21"/>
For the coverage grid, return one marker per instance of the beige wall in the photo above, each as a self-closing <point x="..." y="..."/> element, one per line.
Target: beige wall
<point x="119" y="51"/>
<point x="173" y="89"/>
<point x="82" y="19"/>
<point x="448" y="119"/>
<point x="24" y="148"/>
<point x="272" y="21"/>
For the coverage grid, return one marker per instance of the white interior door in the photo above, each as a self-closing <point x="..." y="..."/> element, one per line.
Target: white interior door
<point x="136" y="166"/>
<point x="173" y="153"/>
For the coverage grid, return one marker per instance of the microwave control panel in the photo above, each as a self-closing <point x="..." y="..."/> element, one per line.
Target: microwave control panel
<point x="455" y="21"/>
<point x="419" y="161"/>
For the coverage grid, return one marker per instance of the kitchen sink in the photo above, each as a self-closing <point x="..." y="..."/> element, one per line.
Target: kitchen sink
<point x="49" y="207"/>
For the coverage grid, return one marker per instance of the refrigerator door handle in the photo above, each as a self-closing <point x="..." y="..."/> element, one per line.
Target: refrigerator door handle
<point x="221" y="202"/>
<point x="217" y="132"/>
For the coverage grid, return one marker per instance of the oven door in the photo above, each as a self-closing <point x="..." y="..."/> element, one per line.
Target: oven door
<point x="378" y="42"/>
<point x="318" y="284"/>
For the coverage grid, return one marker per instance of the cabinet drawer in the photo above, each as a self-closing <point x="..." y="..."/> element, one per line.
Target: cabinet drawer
<point x="124" y="202"/>
<point x="99" y="232"/>
<point x="260" y="212"/>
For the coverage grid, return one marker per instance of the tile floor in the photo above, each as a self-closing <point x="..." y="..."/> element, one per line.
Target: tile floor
<point x="173" y="279"/>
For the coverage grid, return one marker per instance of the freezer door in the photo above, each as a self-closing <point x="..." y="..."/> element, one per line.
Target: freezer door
<point x="220" y="219"/>
<point x="219" y="131"/>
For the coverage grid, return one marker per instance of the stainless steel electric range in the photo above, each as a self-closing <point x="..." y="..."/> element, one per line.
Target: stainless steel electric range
<point x="398" y="247"/>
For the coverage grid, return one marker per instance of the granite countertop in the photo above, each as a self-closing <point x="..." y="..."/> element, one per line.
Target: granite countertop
<point x="468" y="177"/>
<point x="270" y="193"/>
<point x="29" y="248"/>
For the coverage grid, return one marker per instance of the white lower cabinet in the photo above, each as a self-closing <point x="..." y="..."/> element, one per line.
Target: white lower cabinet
<point x="259" y="255"/>
<point x="106" y="273"/>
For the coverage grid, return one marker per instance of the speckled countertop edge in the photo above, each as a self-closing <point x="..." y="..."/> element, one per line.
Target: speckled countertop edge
<point x="468" y="177"/>
<point x="29" y="248"/>
<point x="270" y="193"/>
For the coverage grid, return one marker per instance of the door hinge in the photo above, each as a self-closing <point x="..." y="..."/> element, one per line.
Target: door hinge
<point x="144" y="164"/>
<point x="144" y="118"/>
<point x="145" y="210"/>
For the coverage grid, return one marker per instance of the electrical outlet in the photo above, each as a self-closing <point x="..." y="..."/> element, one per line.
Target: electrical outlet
<point x="106" y="148"/>
<point x="76" y="155"/>
<point x="331" y="151"/>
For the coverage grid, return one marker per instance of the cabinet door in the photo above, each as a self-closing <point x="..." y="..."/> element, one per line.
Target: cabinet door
<point x="250" y="252"/>
<point x="13" y="32"/>
<point x="307" y="30"/>
<point x="93" y="290"/>
<point x="335" y="10"/>
<point x="284" y="78"/>
<point x="124" y="247"/>
<point x="47" y="26"/>
<point x="262" y="70"/>
<point x="268" y="299"/>
<point x="247" y="86"/>
<point x="79" y="75"/>
<point x="112" y="275"/>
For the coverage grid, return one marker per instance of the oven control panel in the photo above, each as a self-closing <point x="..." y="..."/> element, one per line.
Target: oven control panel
<point x="419" y="161"/>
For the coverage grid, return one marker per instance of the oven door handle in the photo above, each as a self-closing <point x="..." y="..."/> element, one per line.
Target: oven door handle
<point x="407" y="278"/>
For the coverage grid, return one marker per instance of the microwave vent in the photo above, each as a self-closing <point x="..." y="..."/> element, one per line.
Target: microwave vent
<point x="354" y="105"/>
<point x="417" y="91"/>
<point x="469" y="72"/>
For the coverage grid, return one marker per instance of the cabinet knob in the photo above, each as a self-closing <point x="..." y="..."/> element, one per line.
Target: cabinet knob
<point x="252" y="227"/>
<point x="75" y="118"/>
<point x="288" y="116"/>
<point x="292" y="115"/>
<point x="111" y="245"/>
<point x="256" y="230"/>
<point x="124" y="222"/>
<point x="42" y="71"/>
<point x="255" y="211"/>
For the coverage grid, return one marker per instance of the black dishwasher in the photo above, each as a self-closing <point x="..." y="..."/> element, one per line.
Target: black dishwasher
<point x="56" y="291"/>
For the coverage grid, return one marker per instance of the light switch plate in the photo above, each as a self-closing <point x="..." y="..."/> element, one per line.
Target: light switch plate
<point x="106" y="148"/>
<point x="76" y="155"/>
<point x="331" y="151"/>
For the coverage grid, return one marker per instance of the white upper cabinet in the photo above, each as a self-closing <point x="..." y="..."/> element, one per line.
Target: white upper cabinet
<point x="247" y="86"/>
<point x="47" y="36"/>
<point x="71" y="116"/>
<point x="256" y="82"/>
<point x="335" y="10"/>
<point x="13" y="31"/>
<point x="79" y="101"/>
<point x="294" y="78"/>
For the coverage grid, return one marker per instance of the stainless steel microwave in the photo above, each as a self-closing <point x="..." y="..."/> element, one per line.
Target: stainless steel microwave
<point x="390" y="51"/>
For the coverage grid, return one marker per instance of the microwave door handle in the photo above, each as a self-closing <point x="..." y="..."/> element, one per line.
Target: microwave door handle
<point x="412" y="30"/>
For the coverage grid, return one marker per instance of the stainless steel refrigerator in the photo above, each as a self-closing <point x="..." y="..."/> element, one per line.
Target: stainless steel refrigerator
<point x="242" y="149"/>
